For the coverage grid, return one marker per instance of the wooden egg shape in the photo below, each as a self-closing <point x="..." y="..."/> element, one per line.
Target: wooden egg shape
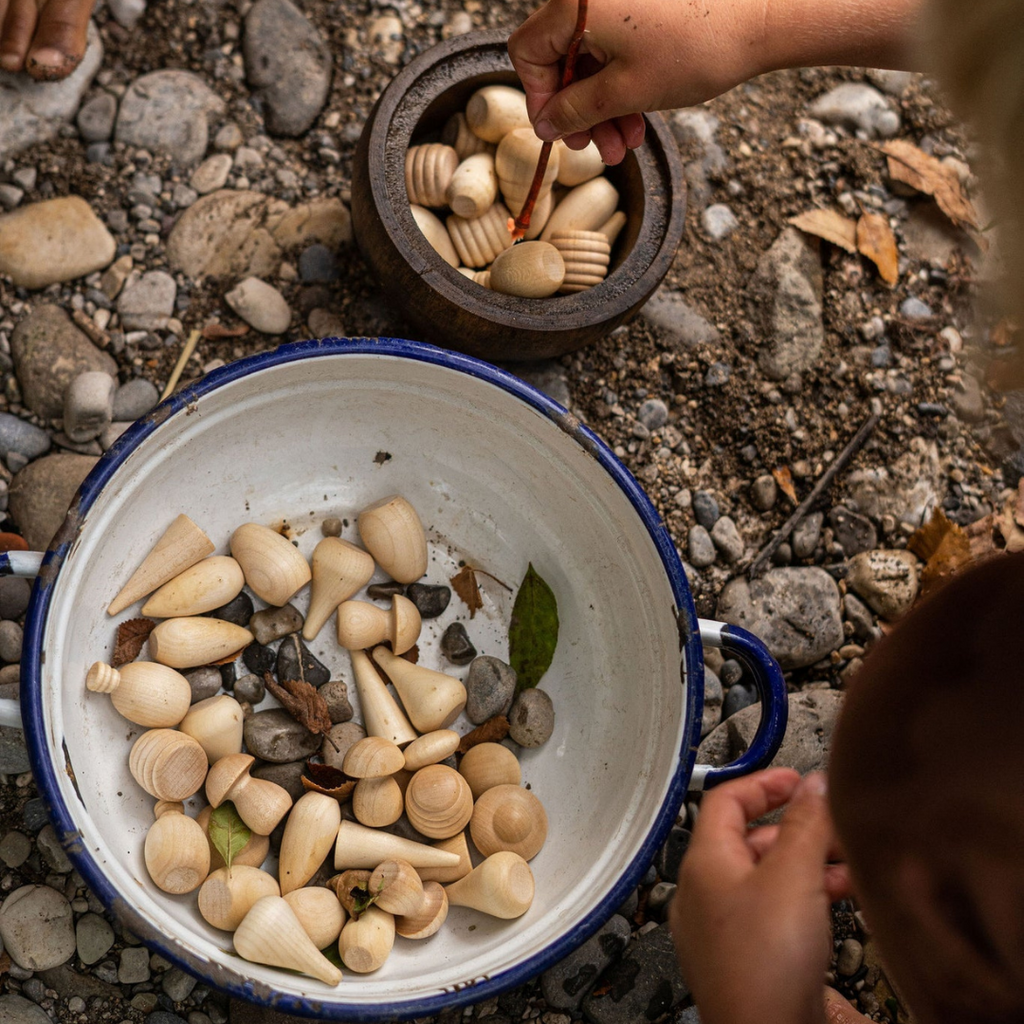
<point x="168" y="764"/>
<point x="271" y="934"/>
<point x="309" y="835"/>
<point x="381" y="714"/>
<point x="372" y="757"/>
<point x="227" y="896"/>
<point x="431" y="699"/>
<point x="216" y="723"/>
<point x="586" y="255"/>
<point x="438" y="801"/>
<point x="210" y="583"/>
<point x="515" y="164"/>
<point x="435" y="233"/>
<point x="576" y="166"/>
<point x="432" y="913"/>
<point x="377" y="802"/>
<point x="430" y="748"/>
<point x="145" y="692"/>
<point x="362" y="624"/>
<point x="190" y="641"/>
<point x="480" y="277"/>
<point x="252" y="855"/>
<point x="509" y="818"/>
<point x="473" y="187"/>
<point x="361" y="847"/>
<point x="487" y="765"/>
<point x="274" y="568"/>
<point x="366" y="941"/>
<point x="502" y="886"/>
<point x="479" y="241"/>
<point x="541" y="213"/>
<point x="428" y="171"/>
<point x="181" y="545"/>
<point x="458" y="845"/>
<point x="393" y="534"/>
<point x="399" y="887"/>
<point x="495" y="110"/>
<point x="319" y="912"/>
<point x="612" y="226"/>
<point x="339" y="569"/>
<point x="585" y="208"/>
<point x="260" y="803"/>
<point x="177" y="854"/>
<point x="532" y="270"/>
<point x="457" y="134"/>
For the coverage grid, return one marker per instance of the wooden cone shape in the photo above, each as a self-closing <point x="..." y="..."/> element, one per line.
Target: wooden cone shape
<point x="191" y="641"/>
<point x="585" y="208"/>
<point x="457" y="845"/>
<point x="182" y="545"/>
<point x="501" y="886"/>
<point x="432" y="700"/>
<point x="144" y="692"/>
<point x="210" y="583"/>
<point x="274" y="569"/>
<point x="381" y="714"/>
<point x="271" y="934"/>
<point x="365" y="942"/>
<point x="319" y="913"/>
<point x="177" y="853"/>
<point x="217" y="723"/>
<point x="362" y="847"/>
<point x="339" y="570"/>
<point x="309" y="834"/>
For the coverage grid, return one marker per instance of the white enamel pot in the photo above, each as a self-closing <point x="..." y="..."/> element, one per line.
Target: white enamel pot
<point x="501" y="477"/>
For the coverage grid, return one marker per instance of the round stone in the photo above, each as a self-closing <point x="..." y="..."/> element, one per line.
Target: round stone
<point x="94" y="937"/>
<point x="490" y="687"/>
<point x="705" y="509"/>
<point x="700" y="547"/>
<point x="653" y="414"/>
<point x="274" y="735"/>
<point x="430" y="599"/>
<point x="764" y="492"/>
<point x="249" y="688"/>
<point x="456" y="645"/>
<point x="532" y="718"/>
<point x="335" y="695"/>
<point x="37" y="927"/>
<point x="205" y="682"/>
<point x="10" y="642"/>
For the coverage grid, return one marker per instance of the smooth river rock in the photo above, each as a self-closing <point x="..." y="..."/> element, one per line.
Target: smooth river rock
<point x="37" y="927"/>
<point x="42" y="492"/>
<point x="260" y="305"/>
<point x="886" y="580"/>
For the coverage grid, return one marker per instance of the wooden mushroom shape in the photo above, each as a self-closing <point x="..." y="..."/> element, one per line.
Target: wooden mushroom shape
<point x="487" y="765"/>
<point x="515" y="163"/>
<point x="377" y="802"/>
<point x="434" y="232"/>
<point x="216" y="723"/>
<point x="438" y="801"/>
<point x="274" y="568"/>
<point x="210" y="583"/>
<point x="477" y="242"/>
<point x="532" y="270"/>
<point x="319" y="912"/>
<point x="381" y="714"/>
<point x="361" y="847"/>
<point x="176" y="852"/>
<point x="509" y="818"/>
<point x="473" y="187"/>
<point x="432" y="913"/>
<point x="196" y="640"/>
<point x="260" y="803"/>
<point x="393" y="534"/>
<point x="366" y="941"/>
<point x="309" y="835"/>
<point x="271" y="934"/>
<point x="168" y="764"/>
<point x="576" y="166"/>
<point x="495" y="110"/>
<point x="339" y="569"/>
<point x="228" y="895"/>
<point x="145" y="692"/>
<point x="502" y="886"/>
<point x="432" y="700"/>
<point x="362" y="624"/>
<point x="252" y="855"/>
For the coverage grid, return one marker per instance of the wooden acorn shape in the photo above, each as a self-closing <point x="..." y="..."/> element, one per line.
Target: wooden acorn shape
<point x="438" y="801"/>
<point x="210" y="583"/>
<point x="509" y="817"/>
<point x="227" y="896"/>
<point x="487" y="765"/>
<point x="393" y="534"/>
<point x="431" y="699"/>
<point x="274" y="568"/>
<point x="430" y="748"/>
<point x="362" y="624"/>
<point x="576" y="166"/>
<point x="477" y="242"/>
<point x="144" y="692"/>
<point x="196" y="640"/>
<point x="372" y="757"/>
<point x="585" y="208"/>
<point x="361" y="847"/>
<point x="432" y="913"/>
<point x="457" y="134"/>
<point x="319" y="912"/>
<point x="502" y="886"/>
<point x="168" y="764"/>
<point x="252" y="855"/>
<point x="381" y="714"/>
<point x="377" y="802"/>
<point x="216" y="723"/>
<point x="271" y="934"/>
<point x="532" y="270"/>
<point x="435" y="233"/>
<point x="176" y="852"/>
<point x="495" y="110"/>
<point x="181" y="545"/>
<point x="398" y="888"/>
<point x="458" y="845"/>
<point x="428" y="171"/>
<point x="480" y="277"/>
<point x="309" y="835"/>
<point x="515" y="163"/>
<point x="260" y="803"/>
<point x="339" y="570"/>
<point x="586" y="255"/>
<point x="612" y="226"/>
<point x="366" y="941"/>
<point x="473" y="187"/>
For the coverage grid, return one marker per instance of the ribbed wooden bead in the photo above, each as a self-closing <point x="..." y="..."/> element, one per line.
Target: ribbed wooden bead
<point x="428" y="171"/>
<point x="586" y="255"/>
<point x="479" y="241"/>
<point x="457" y="134"/>
<point x="168" y="764"/>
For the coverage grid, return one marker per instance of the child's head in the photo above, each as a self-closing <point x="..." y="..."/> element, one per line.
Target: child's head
<point x="927" y="793"/>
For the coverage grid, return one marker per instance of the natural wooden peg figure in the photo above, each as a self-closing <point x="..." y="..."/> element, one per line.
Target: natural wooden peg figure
<point x="372" y="757"/>
<point x="360" y="847"/>
<point x="260" y="803"/>
<point x="362" y="624"/>
<point x="435" y="233"/>
<point x="428" y="919"/>
<point x="477" y="242"/>
<point x="274" y="568"/>
<point x="196" y="640"/>
<point x="168" y="764"/>
<point x="428" y="172"/>
<point x="420" y="909"/>
<point x="532" y="270"/>
<point x="319" y="912"/>
<point x="473" y="187"/>
<point x="309" y="835"/>
<point x="366" y="941"/>
<point x="495" y="110"/>
<point x="176" y="851"/>
<point x="339" y="569"/>
<point x="210" y="583"/>
<point x="393" y="534"/>
<point x="144" y="692"/>
<point x="433" y="700"/>
<point x="502" y="886"/>
<point x="217" y="724"/>
<point x="377" y="802"/>
<point x="586" y="255"/>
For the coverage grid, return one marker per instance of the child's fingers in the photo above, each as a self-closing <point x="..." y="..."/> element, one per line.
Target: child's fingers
<point x="805" y="835"/>
<point x="839" y="1011"/>
<point x="536" y="49"/>
<point x="585" y="103"/>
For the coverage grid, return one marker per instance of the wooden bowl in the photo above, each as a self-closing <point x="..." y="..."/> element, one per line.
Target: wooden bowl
<point x="453" y="312"/>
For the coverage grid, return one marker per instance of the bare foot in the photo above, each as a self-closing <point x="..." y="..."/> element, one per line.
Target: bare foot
<point x="46" y="38"/>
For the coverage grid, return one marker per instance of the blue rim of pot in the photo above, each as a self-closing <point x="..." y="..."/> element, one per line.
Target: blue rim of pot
<point x="230" y="981"/>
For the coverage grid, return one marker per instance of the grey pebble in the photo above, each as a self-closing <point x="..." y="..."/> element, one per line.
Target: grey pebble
<point x="712" y="702"/>
<point x="659" y="898"/>
<point x="205" y="682"/>
<point x="271" y="624"/>
<point x="914" y="309"/>
<point x="15" y="848"/>
<point x="705" y="509"/>
<point x="133" y="965"/>
<point x="566" y="984"/>
<point x="11" y="635"/>
<point x="294" y="661"/>
<point x="859" y="616"/>
<point x="288" y="775"/>
<point x="335" y="695"/>
<point x="386" y="591"/>
<point x="88" y="405"/>
<point x="854" y="532"/>
<point x="10" y="196"/>
<point x="342" y="736"/>
<point x="93" y="937"/>
<point x="13" y="752"/>
<point x="211" y="174"/>
<point x="490" y="688"/>
<point x="764" y="492"/>
<point x="531" y="718"/>
<point x="134" y="399"/>
<point x="653" y="414"/>
<point x="34" y="815"/>
<point x="37" y="927"/>
<point x="731" y="672"/>
<point x="259" y="658"/>
<point x="19" y="1010"/>
<point x="430" y="599"/>
<point x="318" y="265"/>
<point x="806" y="534"/>
<point x="700" y="547"/>
<point x="331" y="527"/>
<point x="239" y="611"/>
<point x="671" y="854"/>
<point x="17" y="435"/>
<point x="274" y="735"/>
<point x="52" y="852"/>
<point x="718" y="375"/>
<point x="249" y="688"/>
<point x="96" y="117"/>
<point x="177" y="986"/>
<point x="456" y="645"/>
<point x="727" y="539"/>
<point x="629" y="905"/>
<point x="147" y="303"/>
<point x="719" y="221"/>
<point x="850" y="957"/>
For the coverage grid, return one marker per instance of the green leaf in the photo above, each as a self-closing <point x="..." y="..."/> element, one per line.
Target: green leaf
<point x="228" y="832"/>
<point x="363" y="899"/>
<point x="533" y="631"/>
<point x="333" y="954"/>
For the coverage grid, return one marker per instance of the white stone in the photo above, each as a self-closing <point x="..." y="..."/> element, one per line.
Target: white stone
<point x="860" y="107"/>
<point x="260" y="305"/>
<point x="147" y="302"/>
<point x="88" y="405"/>
<point x="211" y="174"/>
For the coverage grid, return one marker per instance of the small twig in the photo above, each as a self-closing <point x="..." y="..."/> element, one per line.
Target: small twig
<point x="179" y="366"/>
<point x="823" y="484"/>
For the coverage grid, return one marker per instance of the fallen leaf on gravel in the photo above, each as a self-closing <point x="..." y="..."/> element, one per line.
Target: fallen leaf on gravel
<point x="917" y="169"/>
<point x="214" y="330"/>
<point x="131" y="635"/>
<point x="784" y="479"/>
<point x="830" y="225"/>
<point x="943" y="547"/>
<point x="876" y="241"/>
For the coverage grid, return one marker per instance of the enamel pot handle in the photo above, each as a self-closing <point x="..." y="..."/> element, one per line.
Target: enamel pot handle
<point x="17" y="563"/>
<point x="771" y="688"/>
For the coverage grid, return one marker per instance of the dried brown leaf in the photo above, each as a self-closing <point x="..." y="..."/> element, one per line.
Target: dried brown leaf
<point x="876" y="241"/>
<point x="830" y="225"/>
<point x="464" y="584"/>
<point x="944" y="548"/>
<point x="215" y="330"/>
<point x="917" y="169"/>
<point x="494" y="730"/>
<point x="784" y="479"/>
<point x="131" y="635"/>
<point x="302" y="702"/>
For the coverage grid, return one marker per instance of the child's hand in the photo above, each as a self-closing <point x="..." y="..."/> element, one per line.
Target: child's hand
<point x="751" y="915"/>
